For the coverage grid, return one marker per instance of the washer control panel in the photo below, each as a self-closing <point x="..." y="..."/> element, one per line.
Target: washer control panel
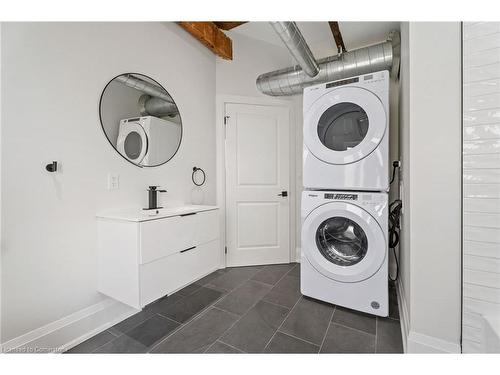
<point x="341" y="196"/>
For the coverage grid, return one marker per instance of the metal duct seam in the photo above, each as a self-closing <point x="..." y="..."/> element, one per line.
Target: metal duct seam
<point x="291" y="81"/>
<point x="294" y="41"/>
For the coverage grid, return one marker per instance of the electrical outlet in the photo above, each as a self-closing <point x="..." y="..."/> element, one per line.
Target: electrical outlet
<point x="113" y="181"/>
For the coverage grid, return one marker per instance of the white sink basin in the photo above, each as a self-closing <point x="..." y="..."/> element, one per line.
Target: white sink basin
<point x="139" y="214"/>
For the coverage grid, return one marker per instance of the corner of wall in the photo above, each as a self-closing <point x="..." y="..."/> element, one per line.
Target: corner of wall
<point x="404" y="317"/>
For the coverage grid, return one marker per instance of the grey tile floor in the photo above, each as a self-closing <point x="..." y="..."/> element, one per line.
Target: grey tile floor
<point x="249" y="310"/>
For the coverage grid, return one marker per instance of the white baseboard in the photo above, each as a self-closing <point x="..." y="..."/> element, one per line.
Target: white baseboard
<point x="414" y="342"/>
<point x="297" y="254"/>
<point x="404" y="317"/>
<point x="65" y="333"/>
<point x="420" y="343"/>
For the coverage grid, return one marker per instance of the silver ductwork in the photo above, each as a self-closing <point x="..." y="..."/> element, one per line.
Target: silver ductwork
<point x="294" y="41"/>
<point x="156" y="102"/>
<point x="291" y="81"/>
<point x="153" y="106"/>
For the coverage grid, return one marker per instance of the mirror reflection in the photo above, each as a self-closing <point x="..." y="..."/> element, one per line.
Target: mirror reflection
<point x="140" y="119"/>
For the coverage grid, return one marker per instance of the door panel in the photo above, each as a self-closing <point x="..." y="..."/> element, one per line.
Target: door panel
<point x="252" y="230"/>
<point x="257" y="149"/>
<point x="257" y="171"/>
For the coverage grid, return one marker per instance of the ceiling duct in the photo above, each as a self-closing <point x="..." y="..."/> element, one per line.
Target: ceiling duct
<point x="291" y="81"/>
<point x="294" y="41"/>
<point x="156" y="102"/>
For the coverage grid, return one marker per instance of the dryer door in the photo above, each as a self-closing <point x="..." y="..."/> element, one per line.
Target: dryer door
<point x="133" y="142"/>
<point x="343" y="242"/>
<point x="344" y="125"/>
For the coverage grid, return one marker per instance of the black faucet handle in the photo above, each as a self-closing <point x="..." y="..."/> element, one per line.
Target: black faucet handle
<point x="154" y="188"/>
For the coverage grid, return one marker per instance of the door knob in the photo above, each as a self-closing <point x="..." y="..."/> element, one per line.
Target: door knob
<point x="283" y="194"/>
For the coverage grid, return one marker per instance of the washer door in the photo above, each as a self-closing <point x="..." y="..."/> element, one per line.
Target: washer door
<point x="344" y="242"/>
<point x="133" y="142"/>
<point x="344" y="125"/>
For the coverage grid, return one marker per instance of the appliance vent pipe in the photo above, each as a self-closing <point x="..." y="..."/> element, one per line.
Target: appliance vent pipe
<point x="152" y="106"/>
<point x="145" y="87"/>
<point x="156" y="103"/>
<point x="294" y="41"/>
<point x="292" y="80"/>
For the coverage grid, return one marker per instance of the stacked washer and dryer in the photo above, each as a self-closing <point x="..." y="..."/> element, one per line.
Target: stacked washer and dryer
<point x="344" y="257"/>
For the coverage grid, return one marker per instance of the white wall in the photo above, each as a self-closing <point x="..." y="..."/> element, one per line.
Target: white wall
<point x="431" y="149"/>
<point x="251" y="58"/>
<point x="481" y="181"/>
<point x="52" y="77"/>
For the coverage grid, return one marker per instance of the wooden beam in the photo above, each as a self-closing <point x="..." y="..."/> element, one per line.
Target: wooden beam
<point x="337" y="35"/>
<point x="210" y="35"/>
<point x="228" y="25"/>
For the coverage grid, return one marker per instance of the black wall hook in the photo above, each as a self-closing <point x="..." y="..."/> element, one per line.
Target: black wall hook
<point x="52" y="167"/>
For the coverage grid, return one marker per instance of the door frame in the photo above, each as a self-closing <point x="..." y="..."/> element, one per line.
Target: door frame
<point x="220" y="102"/>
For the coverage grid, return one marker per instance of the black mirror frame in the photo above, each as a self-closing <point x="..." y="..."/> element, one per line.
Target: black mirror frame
<point x="109" y="141"/>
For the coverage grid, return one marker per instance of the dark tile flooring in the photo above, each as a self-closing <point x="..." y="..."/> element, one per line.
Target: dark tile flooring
<point x="249" y="310"/>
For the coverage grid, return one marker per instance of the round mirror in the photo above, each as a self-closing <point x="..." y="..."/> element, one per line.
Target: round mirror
<point x="140" y="119"/>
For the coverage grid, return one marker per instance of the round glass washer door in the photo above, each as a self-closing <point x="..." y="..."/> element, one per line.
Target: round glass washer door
<point x="132" y="142"/>
<point x="344" y="125"/>
<point x="343" y="242"/>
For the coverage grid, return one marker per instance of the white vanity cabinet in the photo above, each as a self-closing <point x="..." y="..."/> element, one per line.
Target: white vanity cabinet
<point x="142" y="257"/>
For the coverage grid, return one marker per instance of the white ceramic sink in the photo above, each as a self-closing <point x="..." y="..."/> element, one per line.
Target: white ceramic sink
<point x="139" y="214"/>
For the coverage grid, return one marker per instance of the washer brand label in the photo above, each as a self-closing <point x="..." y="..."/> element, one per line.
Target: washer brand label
<point x="346" y="197"/>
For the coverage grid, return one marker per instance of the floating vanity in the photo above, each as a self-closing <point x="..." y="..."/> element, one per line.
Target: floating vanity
<point x="144" y="255"/>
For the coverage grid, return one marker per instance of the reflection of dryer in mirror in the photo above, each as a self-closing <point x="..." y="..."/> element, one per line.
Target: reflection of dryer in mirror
<point x="148" y="141"/>
<point x="346" y="137"/>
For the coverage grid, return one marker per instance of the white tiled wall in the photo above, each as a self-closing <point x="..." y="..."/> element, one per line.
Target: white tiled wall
<point x="481" y="179"/>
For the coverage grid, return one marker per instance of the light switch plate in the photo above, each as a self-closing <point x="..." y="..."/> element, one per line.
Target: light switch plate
<point x="113" y="181"/>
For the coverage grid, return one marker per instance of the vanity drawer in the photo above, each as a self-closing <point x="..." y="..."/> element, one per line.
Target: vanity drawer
<point x="159" y="238"/>
<point x="207" y="227"/>
<point x="170" y="273"/>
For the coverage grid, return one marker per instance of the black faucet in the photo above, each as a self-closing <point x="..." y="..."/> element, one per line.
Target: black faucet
<point x="153" y="197"/>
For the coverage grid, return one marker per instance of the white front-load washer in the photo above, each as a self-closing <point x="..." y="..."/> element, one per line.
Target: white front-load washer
<point x="148" y="140"/>
<point x="344" y="255"/>
<point x="346" y="136"/>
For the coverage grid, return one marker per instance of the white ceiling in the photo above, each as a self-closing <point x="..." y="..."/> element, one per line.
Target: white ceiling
<point x="319" y="36"/>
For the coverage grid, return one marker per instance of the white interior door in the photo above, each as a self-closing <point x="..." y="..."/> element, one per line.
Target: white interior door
<point x="257" y="173"/>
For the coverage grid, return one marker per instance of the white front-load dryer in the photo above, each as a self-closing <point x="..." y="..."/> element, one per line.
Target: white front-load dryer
<point x="344" y="254"/>
<point x="148" y="140"/>
<point x="346" y="136"/>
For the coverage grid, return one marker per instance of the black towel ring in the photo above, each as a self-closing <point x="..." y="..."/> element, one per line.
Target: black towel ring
<point x="196" y="169"/>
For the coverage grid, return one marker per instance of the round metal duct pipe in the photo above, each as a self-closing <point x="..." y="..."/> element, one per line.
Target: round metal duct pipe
<point x="291" y="81"/>
<point x="294" y="41"/>
<point x="145" y="87"/>
<point x="155" y="102"/>
<point x="153" y="106"/>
